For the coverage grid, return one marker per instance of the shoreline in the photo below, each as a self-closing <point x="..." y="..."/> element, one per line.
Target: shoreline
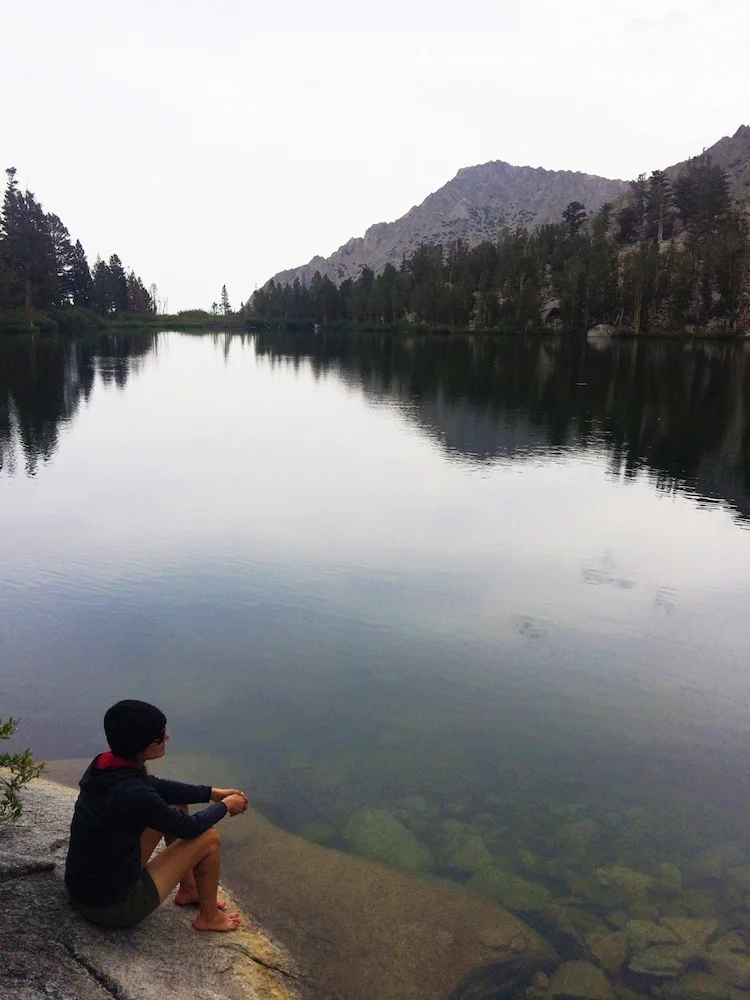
<point x="63" y="955"/>
<point x="357" y="929"/>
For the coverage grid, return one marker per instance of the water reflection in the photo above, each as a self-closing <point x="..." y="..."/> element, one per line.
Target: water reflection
<point x="676" y="410"/>
<point x="44" y="380"/>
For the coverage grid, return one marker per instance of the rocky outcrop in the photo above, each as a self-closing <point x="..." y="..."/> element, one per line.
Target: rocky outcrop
<point x="474" y="206"/>
<point x="354" y="927"/>
<point x="49" y="950"/>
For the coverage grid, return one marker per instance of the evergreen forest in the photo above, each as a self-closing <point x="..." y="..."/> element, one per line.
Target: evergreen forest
<point x="45" y="279"/>
<point x="672" y="257"/>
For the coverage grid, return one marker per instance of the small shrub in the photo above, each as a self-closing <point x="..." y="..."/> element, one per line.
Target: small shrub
<point x="18" y="769"/>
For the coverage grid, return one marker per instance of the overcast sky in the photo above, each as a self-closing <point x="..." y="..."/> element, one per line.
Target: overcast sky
<point x="219" y="143"/>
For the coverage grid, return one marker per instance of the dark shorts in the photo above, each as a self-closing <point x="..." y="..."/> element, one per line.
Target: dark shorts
<point x="142" y="899"/>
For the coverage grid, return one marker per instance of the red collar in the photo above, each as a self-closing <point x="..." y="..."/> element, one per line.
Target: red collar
<point x="107" y="761"/>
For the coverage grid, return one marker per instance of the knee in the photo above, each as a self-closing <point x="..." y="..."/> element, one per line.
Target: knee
<point x="211" y="838"/>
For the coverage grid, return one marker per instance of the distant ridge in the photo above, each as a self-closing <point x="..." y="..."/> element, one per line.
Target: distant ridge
<point x="732" y="153"/>
<point x="475" y="205"/>
<point x="480" y="200"/>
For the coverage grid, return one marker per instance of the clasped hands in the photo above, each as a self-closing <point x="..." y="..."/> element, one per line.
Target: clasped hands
<point x="233" y="799"/>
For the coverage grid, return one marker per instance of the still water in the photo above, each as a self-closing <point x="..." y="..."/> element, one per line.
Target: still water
<point x="500" y="581"/>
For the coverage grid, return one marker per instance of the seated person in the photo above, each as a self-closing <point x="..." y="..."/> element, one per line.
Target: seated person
<point x="121" y="814"/>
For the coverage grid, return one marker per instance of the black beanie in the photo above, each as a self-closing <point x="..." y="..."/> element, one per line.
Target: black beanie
<point x="131" y="725"/>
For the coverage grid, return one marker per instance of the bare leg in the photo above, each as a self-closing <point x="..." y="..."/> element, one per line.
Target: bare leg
<point x="203" y="856"/>
<point x="187" y="892"/>
<point x="149" y="841"/>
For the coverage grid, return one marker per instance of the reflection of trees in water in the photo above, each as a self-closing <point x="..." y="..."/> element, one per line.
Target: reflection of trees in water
<point x="679" y="411"/>
<point x="42" y="383"/>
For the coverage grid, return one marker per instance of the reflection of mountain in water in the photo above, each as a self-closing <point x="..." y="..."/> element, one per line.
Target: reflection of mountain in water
<point x="679" y="411"/>
<point x="42" y="383"/>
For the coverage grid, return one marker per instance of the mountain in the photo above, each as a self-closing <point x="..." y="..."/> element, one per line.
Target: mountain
<point x="480" y="200"/>
<point x="475" y="205"/>
<point x="732" y="153"/>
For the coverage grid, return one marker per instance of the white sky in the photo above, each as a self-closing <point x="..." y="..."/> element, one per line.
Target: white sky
<point x="219" y="143"/>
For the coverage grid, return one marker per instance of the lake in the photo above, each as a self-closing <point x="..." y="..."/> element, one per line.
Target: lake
<point x="492" y="591"/>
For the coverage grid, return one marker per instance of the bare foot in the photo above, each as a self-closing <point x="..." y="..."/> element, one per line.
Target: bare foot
<point x="219" y="922"/>
<point x="185" y="897"/>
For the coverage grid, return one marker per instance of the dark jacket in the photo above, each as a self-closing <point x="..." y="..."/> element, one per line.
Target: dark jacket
<point x="113" y="809"/>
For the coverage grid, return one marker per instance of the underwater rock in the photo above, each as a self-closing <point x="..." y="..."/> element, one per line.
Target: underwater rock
<point x="623" y="993"/>
<point x="661" y="961"/>
<point x="736" y="888"/>
<point x="378" y="836"/>
<point x="461" y="849"/>
<point x="644" y="933"/>
<point x="625" y="883"/>
<point x="579" y="837"/>
<point x="506" y="980"/>
<point x="715" y="861"/>
<point x="528" y="862"/>
<point x="700" y="986"/>
<point x="509" y="890"/>
<point x="729" y="942"/>
<point x="317" y="833"/>
<point x="579" y="981"/>
<point x="730" y="967"/>
<point x="610" y="949"/>
<point x="456" y="807"/>
<point x="692" y="931"/>
<point x="417" y="805"/>
<point x="565" y="928"/>
<point x="669" y="877"/>
<point x="696" y="903"/>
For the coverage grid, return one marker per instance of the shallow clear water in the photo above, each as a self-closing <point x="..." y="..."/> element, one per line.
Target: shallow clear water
<point x="509" y="577"/>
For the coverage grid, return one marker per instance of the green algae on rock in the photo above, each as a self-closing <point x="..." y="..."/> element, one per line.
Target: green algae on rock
<point x="579" y="981"/>
<point x="378" y="836"/>
<point x="461" y="849"/>
<point x="509" y="890"/>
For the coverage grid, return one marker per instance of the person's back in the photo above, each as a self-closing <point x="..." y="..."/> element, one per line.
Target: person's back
<point x="121" y="814"/>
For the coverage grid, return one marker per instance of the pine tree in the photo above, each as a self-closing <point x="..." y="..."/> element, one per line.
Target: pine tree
<point x="81" y="285"/>
<point x="27" y="250"/>
<point x="225" y="307"/>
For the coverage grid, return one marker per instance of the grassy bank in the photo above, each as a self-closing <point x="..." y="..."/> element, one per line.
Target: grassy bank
<point x="72" y="321"/>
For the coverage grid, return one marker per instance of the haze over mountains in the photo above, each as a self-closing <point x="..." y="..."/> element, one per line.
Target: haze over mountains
<point x="480" y="200"/>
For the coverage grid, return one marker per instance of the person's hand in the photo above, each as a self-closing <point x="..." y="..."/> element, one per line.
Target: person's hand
<point x="236" y="803"/>
<point x="219" y="794"/>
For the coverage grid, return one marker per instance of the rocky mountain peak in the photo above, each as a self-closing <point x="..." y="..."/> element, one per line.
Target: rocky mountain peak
<point x="473" y="206"/>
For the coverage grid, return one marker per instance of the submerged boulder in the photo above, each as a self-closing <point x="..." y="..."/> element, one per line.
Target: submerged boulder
<point x="509" y="890"/>
<point x="462" y="849"/>
<point x="661" y="961"/>
<point x="700" y="986"/>
<point x="731" y="967"/>
<point x="579" y="981"/>
<point x="377" y="835"/>
<point x="625" y="883"/>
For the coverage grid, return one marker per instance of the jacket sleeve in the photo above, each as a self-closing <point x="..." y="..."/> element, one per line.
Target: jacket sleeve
<point x="178" y="792"/>
<point x="149" y="807"/>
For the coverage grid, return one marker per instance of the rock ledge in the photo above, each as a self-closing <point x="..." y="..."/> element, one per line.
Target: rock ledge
<point x="49" y="950"/>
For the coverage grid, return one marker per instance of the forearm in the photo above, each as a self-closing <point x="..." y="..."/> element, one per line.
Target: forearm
<point x="178" y="792"/>
<point x="184" y="826"/>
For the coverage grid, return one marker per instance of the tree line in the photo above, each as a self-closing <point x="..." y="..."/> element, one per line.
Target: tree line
<point x="671" y="257"/>
<point x="42" y="270"/>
